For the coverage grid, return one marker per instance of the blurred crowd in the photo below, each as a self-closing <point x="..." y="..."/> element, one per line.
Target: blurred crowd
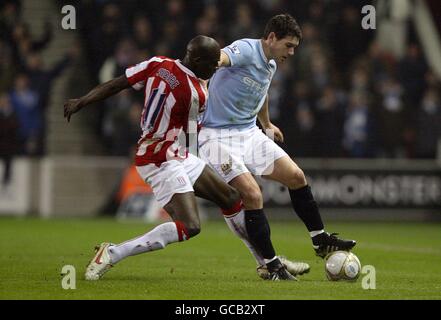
<point x="341" y="95"/>
<point x="25" y="84"/>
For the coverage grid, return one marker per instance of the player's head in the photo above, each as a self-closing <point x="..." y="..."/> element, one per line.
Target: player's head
<point x="203" y="54"/>
<point x="282" y="35"/>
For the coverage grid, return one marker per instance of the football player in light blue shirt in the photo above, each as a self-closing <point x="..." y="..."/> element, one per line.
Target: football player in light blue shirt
<point x="238" y="96"/>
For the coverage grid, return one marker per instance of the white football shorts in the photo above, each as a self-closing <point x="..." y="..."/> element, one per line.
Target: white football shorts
<point x="232" y="152"/>
<point x="171" y="177"/>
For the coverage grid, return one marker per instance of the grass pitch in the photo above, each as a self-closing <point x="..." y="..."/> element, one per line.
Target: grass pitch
<point x="214" y="265"/>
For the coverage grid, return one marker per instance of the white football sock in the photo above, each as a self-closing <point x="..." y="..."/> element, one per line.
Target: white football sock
<point x="236" y="223"/>
<point x="156" y="239"/>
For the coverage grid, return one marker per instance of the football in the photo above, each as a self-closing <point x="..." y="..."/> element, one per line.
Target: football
<point x="342" y="265"/>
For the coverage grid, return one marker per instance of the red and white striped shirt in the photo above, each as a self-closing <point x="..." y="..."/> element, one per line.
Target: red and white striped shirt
<point x="174" y="96"/>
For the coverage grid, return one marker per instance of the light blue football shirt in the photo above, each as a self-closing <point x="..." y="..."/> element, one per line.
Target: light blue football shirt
<point x="237" y="93"/>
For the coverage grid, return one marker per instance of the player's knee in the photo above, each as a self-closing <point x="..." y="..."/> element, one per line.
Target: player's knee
<point x="252" y="197"/>
<point x="232" y="202"/>
<point x="193" y="229"/>
<point x="296" y="179"/>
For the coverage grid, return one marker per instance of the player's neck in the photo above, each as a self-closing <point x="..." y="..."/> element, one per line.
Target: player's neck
<point x="266" y="50"/>
<point x="186" y="62"/>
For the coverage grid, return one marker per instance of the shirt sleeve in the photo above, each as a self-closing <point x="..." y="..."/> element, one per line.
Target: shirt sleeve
<point x="138" y="74"/>
<point x="240" y="52"/>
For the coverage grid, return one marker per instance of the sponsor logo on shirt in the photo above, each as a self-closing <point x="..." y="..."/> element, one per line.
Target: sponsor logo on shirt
<point x="254" y="86"/>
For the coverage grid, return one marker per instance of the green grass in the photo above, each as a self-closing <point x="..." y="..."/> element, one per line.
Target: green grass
<point x="214" y="265"/>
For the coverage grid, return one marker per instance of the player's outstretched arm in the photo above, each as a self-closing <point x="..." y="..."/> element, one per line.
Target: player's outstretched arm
<point x="98" y="93"/>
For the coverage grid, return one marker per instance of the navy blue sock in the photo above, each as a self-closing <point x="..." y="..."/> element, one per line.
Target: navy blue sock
<point x="306" y="208"/>
<point x="259" y="233"/>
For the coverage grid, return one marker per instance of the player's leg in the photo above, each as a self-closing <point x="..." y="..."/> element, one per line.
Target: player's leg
<point x="287" y="172"/>
<point x="211" y="187"/>
<point x="256" y="224"/>
<point x="257" y="228"/>
<point x="172" y="186"/>
<point x="224" y="156"/>
<point x="265" y="158"/>
<point x="173" y="190"/>
<point x="183" y="210"/>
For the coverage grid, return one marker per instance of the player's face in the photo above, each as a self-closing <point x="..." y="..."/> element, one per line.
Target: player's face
<point x="282" y="49"/>
<point x="207" y="67"/>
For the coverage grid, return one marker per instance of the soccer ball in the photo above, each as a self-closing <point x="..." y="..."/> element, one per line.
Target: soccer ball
<point x="342" y="265"/>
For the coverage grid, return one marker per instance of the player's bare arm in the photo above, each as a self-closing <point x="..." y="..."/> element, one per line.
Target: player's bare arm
<point x="265" y="121"/>
<point x="98" y="93"/>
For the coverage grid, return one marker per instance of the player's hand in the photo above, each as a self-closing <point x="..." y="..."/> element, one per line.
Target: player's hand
<point x="275" y="131"/>
<point x="70" y="107"/>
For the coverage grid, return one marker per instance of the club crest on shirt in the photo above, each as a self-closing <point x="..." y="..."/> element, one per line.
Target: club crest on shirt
<point x="234" y="49"/>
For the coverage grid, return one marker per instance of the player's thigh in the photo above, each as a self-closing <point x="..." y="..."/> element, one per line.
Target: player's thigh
<point x="287" y="172"/>
<point x="262" y="154"/>
<point x="194" y="167"/>
<point x="249" y="190"/>
<point x="211" y="187"/>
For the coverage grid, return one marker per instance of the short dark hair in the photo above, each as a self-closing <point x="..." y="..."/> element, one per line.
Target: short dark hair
<point x="283" y="25"/>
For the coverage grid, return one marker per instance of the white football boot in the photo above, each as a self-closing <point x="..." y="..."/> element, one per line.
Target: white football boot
<point x="295" y="268"/>
<point x="100" y="263"/>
